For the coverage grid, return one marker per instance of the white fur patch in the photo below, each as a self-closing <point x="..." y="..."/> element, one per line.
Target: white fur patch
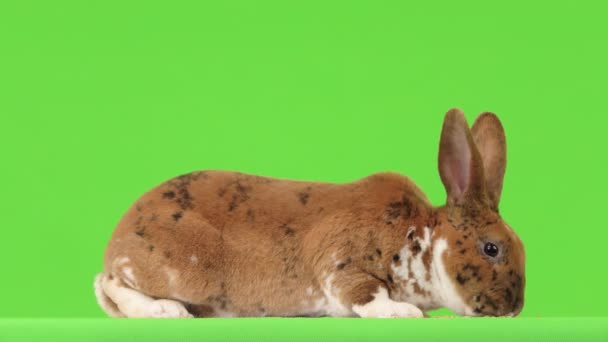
<point x="172" y="276"/>
<point x="173" y="283"/>
<point x="121" y="261"/>
<point x="412" y="272"/>
<point x="334" y="306"/>
<point x="402" y="271"/>
<point x="194" y="259"/>
<point x="223" y="313"/>
<point x="128" y="276"/>
<point x="384" y="307"/>
<point x="309" y="291"/>
<point x="126" y="272"/>
<point x="444" y="287"/>
<point x="313" y="307"/>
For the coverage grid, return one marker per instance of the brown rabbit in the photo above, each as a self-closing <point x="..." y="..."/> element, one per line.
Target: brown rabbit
<point x="226" y="244"/>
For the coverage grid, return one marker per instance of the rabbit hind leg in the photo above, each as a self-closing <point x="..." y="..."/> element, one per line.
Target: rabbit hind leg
<point x="134" y="304"/>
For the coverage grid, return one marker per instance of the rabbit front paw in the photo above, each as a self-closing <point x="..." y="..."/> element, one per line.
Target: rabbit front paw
<point x="384" y="307"/>
<point x="163" y="308"/>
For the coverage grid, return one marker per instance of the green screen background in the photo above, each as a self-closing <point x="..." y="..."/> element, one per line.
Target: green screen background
<point x="102" y="100"/>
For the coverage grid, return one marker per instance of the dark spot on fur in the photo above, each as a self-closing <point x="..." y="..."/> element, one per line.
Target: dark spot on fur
<point x="416" y="248"/>
<point x="169" y="194"/>
<point x="390" y="278"/>
<point x="477" y="298"/>
<point x="508" y="296"/>
<point x="461" y="279"/>
<point x="240" y="188"/>
<point x="250" y="215"/>
<point x="396" y="257"/>
<point x="151" y="248"/>
<point x="303" y="197"/>
<point x="179" y="189"/>
<point x="241" y="194"/>
<point x="184" y="200"/>
<point x="458" y="243"/>
<point x="176" y="216"/>
<point x="403" y="208"/>
<point x="494" y="274"/>
<point x="462" y="251"/>
<point x="232" y="204"/>
<point x="473" y="269"/>
<point x="477" y="310"/>
<point x="378" y="251"/>
<point x="490" y="302"/>
<point x="341" y="266"/>
<point x="288" y="230"/>
<point x="417" y="288"/>
<point x="140" y="232"/>
<point x="167" y="254"/>
<point x="410" y="234"/>
<point x="370" y="257"/>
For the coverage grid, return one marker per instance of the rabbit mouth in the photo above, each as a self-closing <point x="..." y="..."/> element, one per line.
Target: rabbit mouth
<point x="486" y="305"/>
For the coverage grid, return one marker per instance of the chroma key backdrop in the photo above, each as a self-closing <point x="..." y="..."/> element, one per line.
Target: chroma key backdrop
<point x="102" y="100"/>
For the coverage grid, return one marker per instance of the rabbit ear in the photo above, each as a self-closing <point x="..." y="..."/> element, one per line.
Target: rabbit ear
<point x="460" y="165"/>
<point x="489" y="138"/>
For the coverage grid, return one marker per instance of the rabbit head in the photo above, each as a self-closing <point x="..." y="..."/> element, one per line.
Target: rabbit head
<point x="483" y="258"/>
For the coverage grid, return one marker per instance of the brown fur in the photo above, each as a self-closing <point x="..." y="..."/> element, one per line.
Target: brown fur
<point x="255" y="236"/>
<point x="261" y="242"/>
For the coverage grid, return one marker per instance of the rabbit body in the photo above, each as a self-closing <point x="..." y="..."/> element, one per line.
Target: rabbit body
<point x="228" y="244"/>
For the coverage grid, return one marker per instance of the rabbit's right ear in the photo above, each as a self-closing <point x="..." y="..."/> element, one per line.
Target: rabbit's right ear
<point x="489" y="137"/>
<point x="460" y="164"/>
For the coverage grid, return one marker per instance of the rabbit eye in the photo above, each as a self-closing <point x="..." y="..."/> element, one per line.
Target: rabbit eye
<point x="490" y="249"/>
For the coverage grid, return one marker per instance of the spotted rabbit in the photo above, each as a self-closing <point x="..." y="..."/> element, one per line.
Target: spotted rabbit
<point x="227" y="244"/>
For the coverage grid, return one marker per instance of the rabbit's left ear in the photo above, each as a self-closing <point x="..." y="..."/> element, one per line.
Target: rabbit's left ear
<point x="460" y="165"/>
<point x="489" y="137"/>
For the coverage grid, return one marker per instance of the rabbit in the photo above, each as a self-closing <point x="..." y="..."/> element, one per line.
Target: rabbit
<point x="228" y="244"/>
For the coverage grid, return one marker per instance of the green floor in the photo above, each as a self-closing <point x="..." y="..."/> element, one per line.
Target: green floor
<point x="302" y="329"/>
